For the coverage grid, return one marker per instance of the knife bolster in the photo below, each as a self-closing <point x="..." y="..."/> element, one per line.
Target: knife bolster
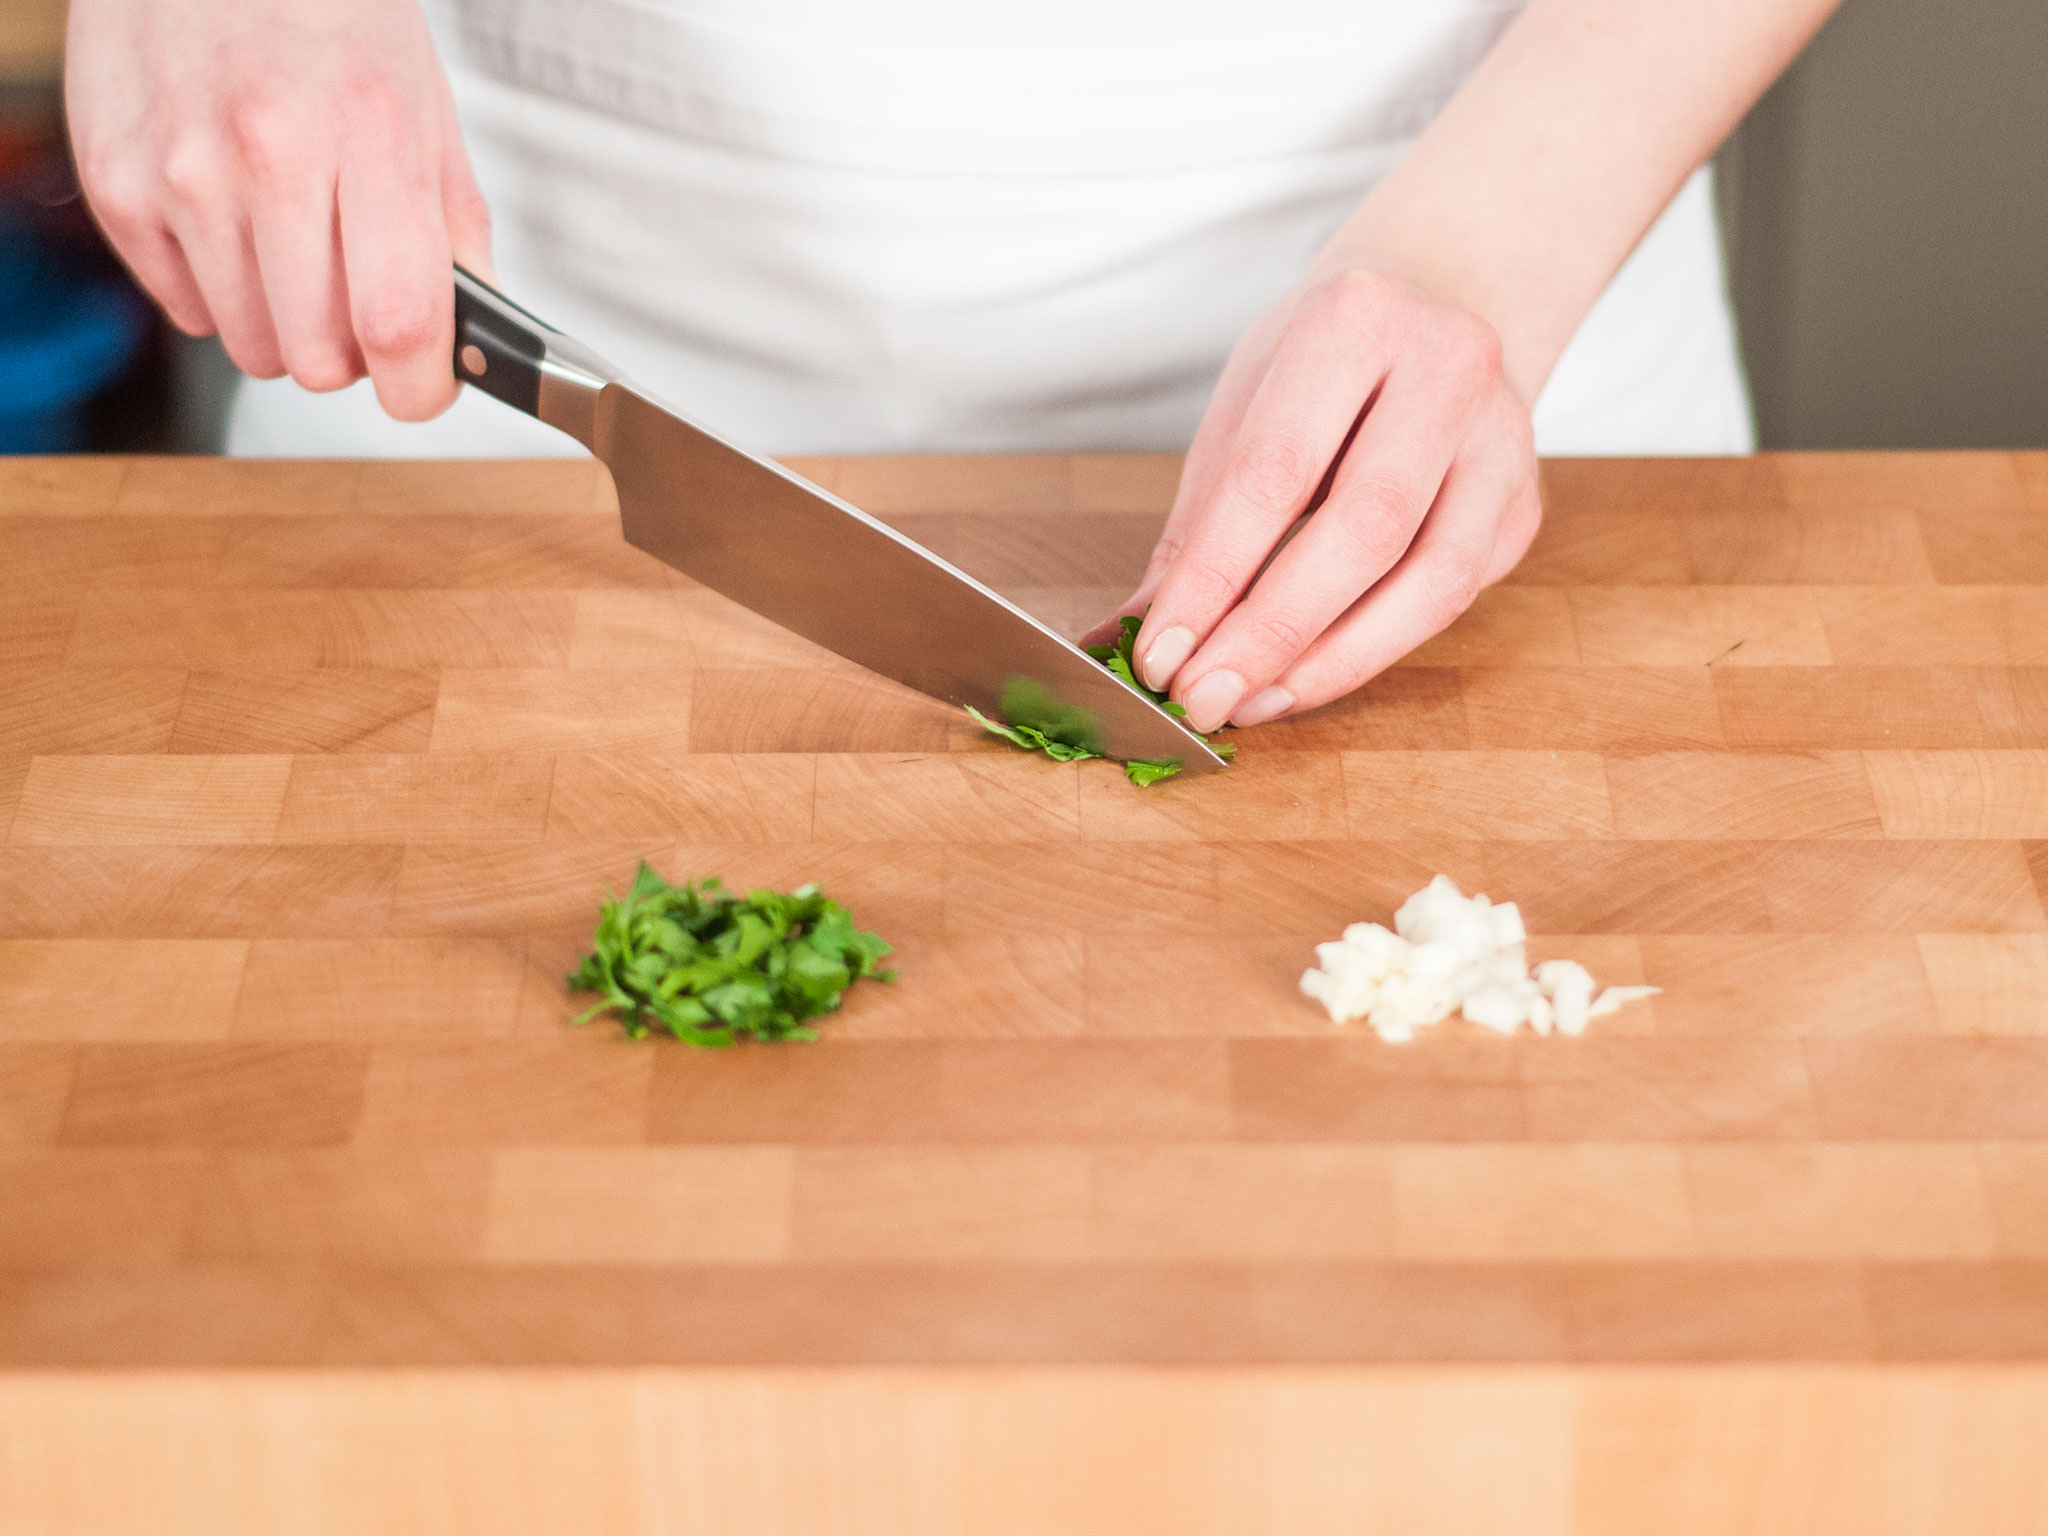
<point x="568" y="397"/>
<point x="520" y="359"/>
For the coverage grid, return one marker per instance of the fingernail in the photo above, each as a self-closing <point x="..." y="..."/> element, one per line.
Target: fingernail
<point x="1166" y="655"/>
<point x="1264" y="705"/>
<point x="1211" y="700"/>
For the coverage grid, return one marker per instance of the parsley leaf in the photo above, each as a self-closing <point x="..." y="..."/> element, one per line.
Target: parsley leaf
<point x="1038" y="723"/>
<point x="1032" y="739"/>
<point x="1143" y="771"/>
<point x="711" y="967"/>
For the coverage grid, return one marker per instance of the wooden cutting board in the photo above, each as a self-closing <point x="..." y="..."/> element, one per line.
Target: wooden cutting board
<point x="311" y="776"/>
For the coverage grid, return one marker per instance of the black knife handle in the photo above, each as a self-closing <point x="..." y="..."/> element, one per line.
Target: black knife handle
<point x="499" y="347"/>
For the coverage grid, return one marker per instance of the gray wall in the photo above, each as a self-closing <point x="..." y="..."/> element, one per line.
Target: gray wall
<point x="1887" y="215"/>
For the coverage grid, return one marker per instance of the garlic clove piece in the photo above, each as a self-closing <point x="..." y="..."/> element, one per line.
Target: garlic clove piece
<point x="1570" y="986"/>
<point x="1434" y="958"/>
<point x="1612" y="999"/>
<point x="1506" y="922"/>
<point x="1497" y="1009"/>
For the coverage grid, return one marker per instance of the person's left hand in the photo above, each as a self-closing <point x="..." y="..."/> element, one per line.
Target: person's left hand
<point x="1434" y="498"/>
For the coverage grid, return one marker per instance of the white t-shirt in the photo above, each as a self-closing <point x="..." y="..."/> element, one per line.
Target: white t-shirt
<point x="949" y="225"/>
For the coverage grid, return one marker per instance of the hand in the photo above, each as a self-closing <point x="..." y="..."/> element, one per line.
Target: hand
<point x="287" y="174"/>
<point x="1434" y="498"/>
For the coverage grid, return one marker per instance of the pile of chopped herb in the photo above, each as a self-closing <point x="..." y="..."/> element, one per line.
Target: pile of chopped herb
<point x="712" y="967"/>
<point x="1066" y="733"/>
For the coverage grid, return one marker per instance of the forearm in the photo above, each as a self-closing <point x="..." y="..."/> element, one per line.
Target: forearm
<point x="1533" y="185"/>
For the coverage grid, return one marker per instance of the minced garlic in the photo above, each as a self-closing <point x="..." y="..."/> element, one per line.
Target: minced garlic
<point x="1449" y="952"/>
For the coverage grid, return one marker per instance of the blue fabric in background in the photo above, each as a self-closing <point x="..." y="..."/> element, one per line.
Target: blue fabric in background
<point x="62" y="341"/>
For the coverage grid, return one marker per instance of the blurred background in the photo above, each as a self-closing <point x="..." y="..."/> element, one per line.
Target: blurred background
<point x="1885" y="207"/>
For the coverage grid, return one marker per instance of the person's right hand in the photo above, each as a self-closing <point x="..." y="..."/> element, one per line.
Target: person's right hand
<point x="287" y="173"/>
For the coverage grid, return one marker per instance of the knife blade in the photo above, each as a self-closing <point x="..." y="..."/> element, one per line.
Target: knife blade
<point x="793" y="552"/>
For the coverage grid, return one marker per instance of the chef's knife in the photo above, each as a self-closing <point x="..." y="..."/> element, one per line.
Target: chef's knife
<point x="792" y="552"/>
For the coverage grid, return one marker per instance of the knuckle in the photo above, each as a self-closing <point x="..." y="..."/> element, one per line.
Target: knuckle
<point x="416" y="405"/>
<point x="1275" y="634"/>
<point x="1381" y="496"/>
<point x="399" y="325"/>
<point x="366" y="100"/>
<point x="1377" y="520"/>
<point x="1473" y="345"/>
<point x="1207" y="587"/>
<point x="1355" y="299"/>
<point x="1450" y="584"/>
<point x="268" y="139"/>
<point x="120" y="198"/>
<point x="192" y="176"/>
<point x="324" y="373"/>
<point x="256" y="360"/>
<point x="1275" y="475"/>
<point x="104" y="169"/>
<point x="1341" y="670"/>
<point x="1165" y="555"/>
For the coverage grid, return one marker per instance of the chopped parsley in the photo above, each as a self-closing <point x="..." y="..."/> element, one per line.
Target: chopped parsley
<point x="711" y="967"/>
<point x="1066" y="734"/>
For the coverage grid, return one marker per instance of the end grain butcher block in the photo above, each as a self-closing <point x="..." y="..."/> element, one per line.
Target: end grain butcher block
<point x="311" y="776"/>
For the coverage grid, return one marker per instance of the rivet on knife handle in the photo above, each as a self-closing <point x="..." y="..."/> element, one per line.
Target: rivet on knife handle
<point x="497" y="349"/>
